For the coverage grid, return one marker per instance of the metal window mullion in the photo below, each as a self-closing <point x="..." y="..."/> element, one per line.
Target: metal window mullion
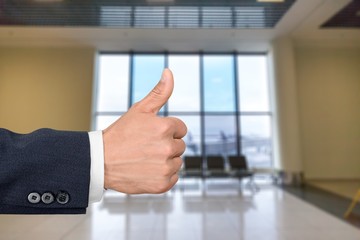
<point x="202" y="106"/>
<point x="237" y="105"/>
<point x="131" y="78"/>
<point x="166" y="65"/>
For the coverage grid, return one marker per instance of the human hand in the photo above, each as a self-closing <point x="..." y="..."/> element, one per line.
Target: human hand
<point x="142" y="151"/>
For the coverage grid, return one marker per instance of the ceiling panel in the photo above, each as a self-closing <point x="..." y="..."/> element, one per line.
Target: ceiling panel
<point x="237" y="14"/>
<point x="348" y="17"/>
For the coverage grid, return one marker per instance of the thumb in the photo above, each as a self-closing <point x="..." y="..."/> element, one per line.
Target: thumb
<point x="159" y="95"/>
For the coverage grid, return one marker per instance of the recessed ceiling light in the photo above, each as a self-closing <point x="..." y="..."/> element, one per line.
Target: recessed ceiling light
<point x="48" y="1"/>
<point x="271" y="1"/>
<point x="160" y="1"/>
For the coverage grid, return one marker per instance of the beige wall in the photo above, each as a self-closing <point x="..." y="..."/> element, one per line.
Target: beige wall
<point x="329" y="109"/>
<point x="46" y="87"/>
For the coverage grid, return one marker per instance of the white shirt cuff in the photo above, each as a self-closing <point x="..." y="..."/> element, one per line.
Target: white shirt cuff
<point x="96" y="189"/>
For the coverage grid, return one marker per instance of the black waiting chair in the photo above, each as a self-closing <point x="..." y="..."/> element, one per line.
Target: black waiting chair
<point x="193" y="168"/>
<point x="240" y="170"/>
<point x="216" y="166"/>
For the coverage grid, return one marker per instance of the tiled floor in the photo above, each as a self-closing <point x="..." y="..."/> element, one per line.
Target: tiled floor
<point x="217" y="213"/>
<point x="344" y="188"/>
<point x="331" y="196"/>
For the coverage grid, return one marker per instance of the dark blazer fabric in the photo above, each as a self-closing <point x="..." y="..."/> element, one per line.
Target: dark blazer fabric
<point x="44" y="172"/>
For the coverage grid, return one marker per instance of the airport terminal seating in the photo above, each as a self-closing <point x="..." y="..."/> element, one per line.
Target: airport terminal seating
<point x="214" y="166"/>
<point x="192" y="168"/>
<point x="240" y="170"/>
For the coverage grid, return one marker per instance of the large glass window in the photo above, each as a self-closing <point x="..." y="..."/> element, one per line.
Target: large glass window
<point x="253" y="84"/>
<point x="186" y="94"/>
<point x="147" y="71"/>
<point x="113" y="84"/>
<point x="255" y="114"/>
<point x="220" y="135"/>
<point x="222" y="98"/>
<point x="256" y="139"/>
<point x="219" y="85"/>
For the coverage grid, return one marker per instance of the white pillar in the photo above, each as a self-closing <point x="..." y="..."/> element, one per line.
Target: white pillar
<point x="286" y="119"/>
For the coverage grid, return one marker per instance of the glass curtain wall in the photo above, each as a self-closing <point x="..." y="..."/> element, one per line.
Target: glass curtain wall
<point x="222" y="98"/>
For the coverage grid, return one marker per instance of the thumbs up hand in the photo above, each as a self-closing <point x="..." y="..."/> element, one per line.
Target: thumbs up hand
<point x="142" y="151"/>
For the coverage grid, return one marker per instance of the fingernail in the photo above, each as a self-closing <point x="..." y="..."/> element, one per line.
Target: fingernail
<point x="163" y="76"/>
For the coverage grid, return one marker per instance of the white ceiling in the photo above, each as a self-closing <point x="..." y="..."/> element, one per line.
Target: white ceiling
<point x="301" y="23"/>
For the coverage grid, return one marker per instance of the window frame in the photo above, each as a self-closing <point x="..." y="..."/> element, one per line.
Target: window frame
<point x="202" y="113"/>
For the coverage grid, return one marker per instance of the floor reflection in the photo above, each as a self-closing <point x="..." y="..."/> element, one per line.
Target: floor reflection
<point x="191" y="213"/>
<point x="180" y="214"/>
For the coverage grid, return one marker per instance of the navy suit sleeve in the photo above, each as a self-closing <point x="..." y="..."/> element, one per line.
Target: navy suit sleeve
<point x="44" y="172"/>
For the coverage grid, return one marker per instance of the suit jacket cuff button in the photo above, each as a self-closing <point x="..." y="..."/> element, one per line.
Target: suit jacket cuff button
<point x="34" y="197"/>
<point x="62" y="197"/>
<point x="47" y="198"/>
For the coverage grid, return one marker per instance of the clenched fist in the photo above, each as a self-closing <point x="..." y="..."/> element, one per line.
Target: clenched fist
<point x="142" y="151"/>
